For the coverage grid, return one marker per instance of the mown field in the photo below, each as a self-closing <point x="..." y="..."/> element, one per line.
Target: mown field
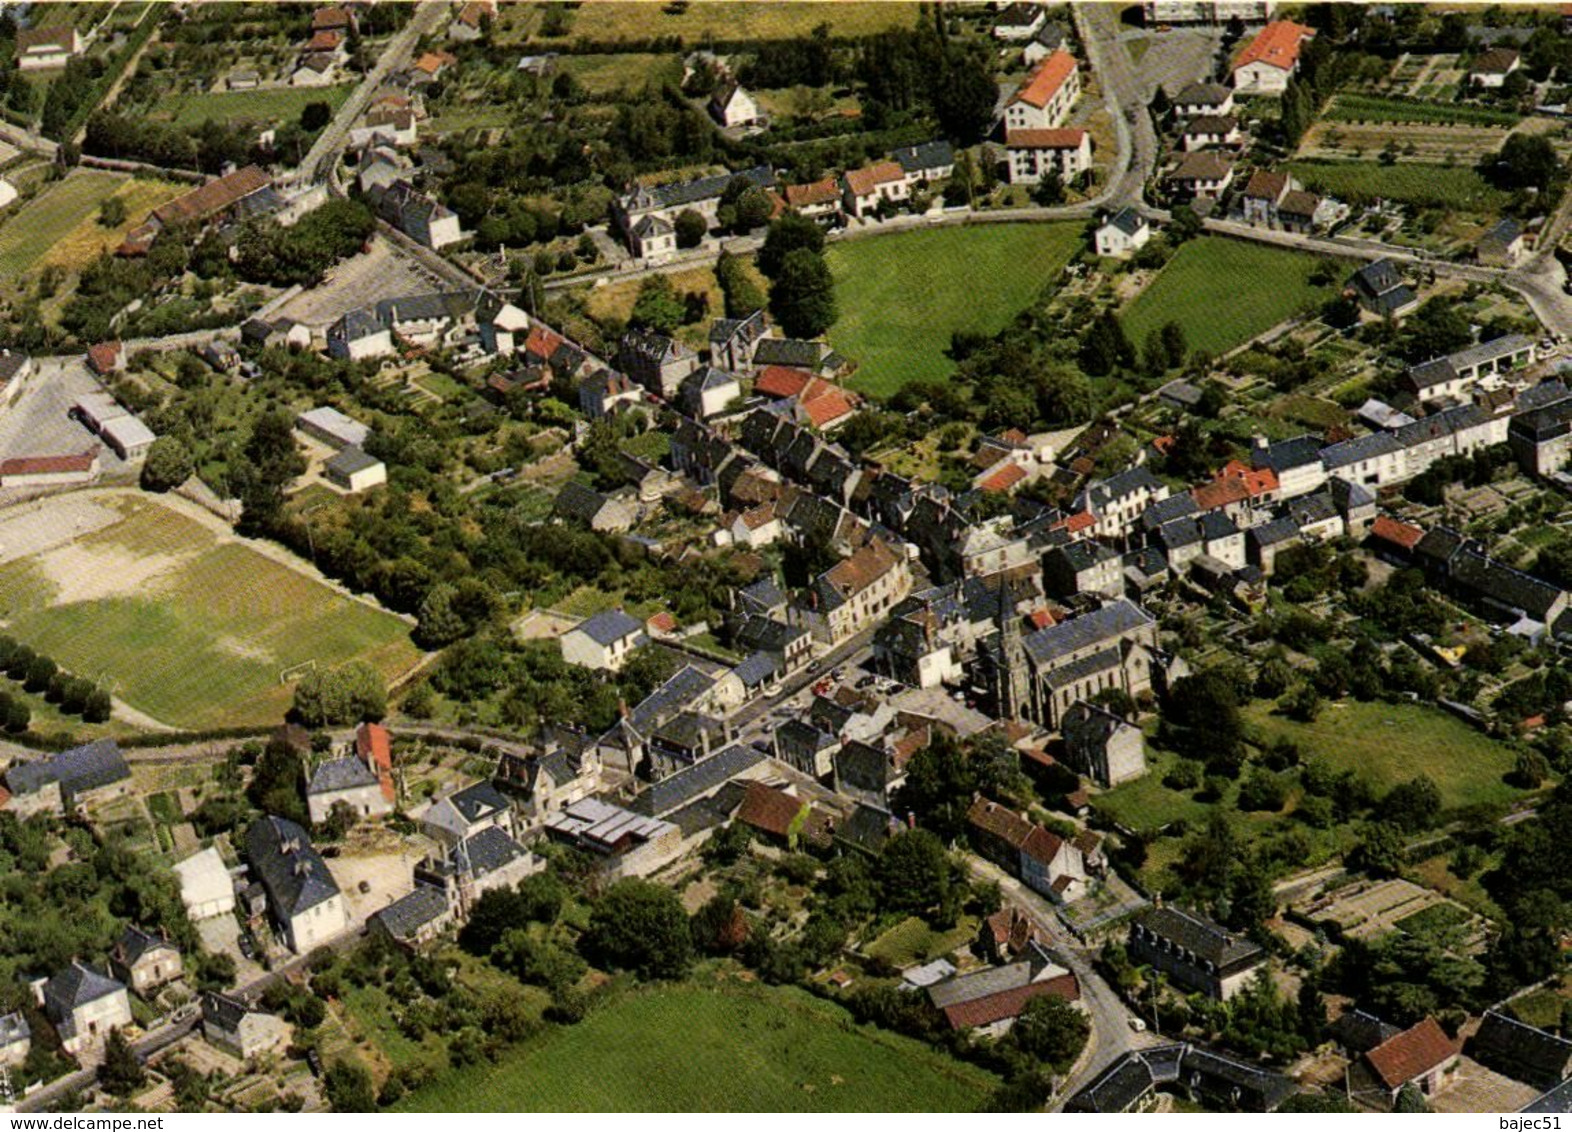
<point x="693" y="1049"/>
<point x="735" y="20"/>
<point x="1225" y="292"/>
<point x="607" y="74"/>
<point x="28" y="234"/>
<point x="192" y="630"/>
<point x="901" y="297"/>
<point x="275" y="105"/>
<point x="89" y="239"/>
<point x="1453" y="187"/>
<point x="1391" y="743"/>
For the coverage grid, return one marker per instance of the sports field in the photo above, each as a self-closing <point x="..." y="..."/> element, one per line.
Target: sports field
<point x="695" y="1049"/>
<point x="1225" y="292"/>
<point x="1386" y="744"/>
<point x="273" y="106"/>
<point x="902" y="296"/>
<point x="188" y="626"/>
<point x="28" y="235"/>
<point x="734" y="20"/>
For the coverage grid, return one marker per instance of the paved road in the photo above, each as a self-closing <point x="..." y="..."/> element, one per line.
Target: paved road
<point x="1126" y="97"/>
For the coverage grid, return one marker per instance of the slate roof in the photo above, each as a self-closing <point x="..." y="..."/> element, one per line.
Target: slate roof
<point x="14" y="1029"/>
<point x="293" y="873"/>
<point x="1056" y="641"/>
<point x="1281" y="529"/>
<point x="1283" y="455"/>
<point x="134" y="943"/>
<point x="1203" y="94"/>
<point x="928" y="155"/>
<point x="404" y="918"/>
<point x="1360" y="448"/>
<point x="610" y="626"/>
<point x="691" y="192"/>
<point x="1122" y="1085"/>
<point x="1128" y="220"/>
<point x="1166" y="510"/>
<point x="477" y="802"/>
<point x="1520" y="1051"/>
<point x="486" y="852"/>
<point x="700" y="779"/>
<point x="77" y="986"/>
<point x="1202" y="937"/>
<point x="350" y="460"/>
<point x="333" y="775"/>
<point x="796" y="352"/>
<point x="89" y="767"/>
<point x="756" y="669"/>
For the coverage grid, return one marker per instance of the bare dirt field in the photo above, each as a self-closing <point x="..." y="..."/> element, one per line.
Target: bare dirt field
<point x="384" y="272"/>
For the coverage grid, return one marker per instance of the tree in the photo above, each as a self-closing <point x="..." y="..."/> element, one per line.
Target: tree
<point x="1531" y="770"/>
<point x="1105" y="346"/>
<point x="348" y="1087"/>
<point x="802" y="298"/>
<point x="1049" y="1029"/>
<point x="314" y="116"/>
<point x="1049" y="190"/>
<point x="1183" y="225"/>
<point x="965" y="96"/>
<point x="657" y="308"/>
<point x="752" y="210"/>
<point x="121" y="1073"/>
<point x="350" y="693"/>
<point x="691" y="228"/>
<point x="938" y="788"/>
<point x="743" y="294"/>
<point x="914" y="871"/>
<point x="39" y="672"/>
<point x="112" y="212"/>
<point x="641" y="927"/>
<point x="1380" y="851"/>
<point x="1525" y="161"/>
<point x="1173" y="339"/>
<point x="440" y="622"/>
<point x="786" y="235"/>
<point x="168" y="464"/>
<point x="1410" y="1099"/>
<point x="97" y="708"/>
<point x="1414" y="805"/>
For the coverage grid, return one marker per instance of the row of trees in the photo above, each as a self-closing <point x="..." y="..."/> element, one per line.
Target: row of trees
<point x="40" y="675"/>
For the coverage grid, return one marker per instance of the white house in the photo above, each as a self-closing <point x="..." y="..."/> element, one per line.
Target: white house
<point x="206" y="888"/>
<point x="730" y="105"/>
<point x="1491" y="68"/>
<point x="865" y="188"/>
<point x="1270" y="59"/>
<point x="358" y="335"/>
<point x="84" y="1006"/>
<point x="1122" y="234"/>
<point x="707" y="391"/>
<point x="605" y="640"/>
<point x="1019" y="21"/>
<point x="652" y="238"/>
<point x="307" y="907"/>
<point x="1045" y="100"/>
<point x="42" y="49"/>
<point x="1033" y="154"/>
<point x="232" y="1025"/>
<point x="352" y="470"/>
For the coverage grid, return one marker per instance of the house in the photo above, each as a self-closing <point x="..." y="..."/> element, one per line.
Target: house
<point x="463" y="873"/>
<point x="1122" y="234"/>
<point x="332" y="427"/>
<point x="432" y="319"/>
<point x="470" y="22"/>
<point x="279" y="333"/>
<point x="1131" y="1082"/>
<point x="1203" y="175"/>
<point x="596" y="511"/>
<point x="863" y="190"/>
<point x="629" y="844"/>
<point x="352" y="470"/>
<point x="1457" y="373"/>
<point x="855" y="593"/>
<point x="219" y="354"/>
<point x="464" y="813"/>
<point x="1461" y="566"/>
<point x="1007" y="935"/>
<point x="16" y="1040"/>
<point x="319" y="69"/>
<point x="416" y="918"/>
<point x="1504" y="245"/>
<point x="1046" y="862"/>
<point x="709" y="392"/>
<point x="657" y="362"/>
<point x="822" y="405"/>
<point x="50" y="471"/>
<point x="333" y="18"/>
<point x="235" y="1026"/>
<point x="502" y="325"/>
<point x="362" y="779"/>
<point x="1269" y="60"/>
<point x="605" y="391"/>
<point x="1491" y="68"/>
<point x="1200" y="100"/>
<point x="780" y="818"/>
<point x="1019" y="21"/>
<point x="1196" y="953"/>
<point x="1522" y="1052"/>
<point x="1082" y="567"/>
<point x="94" y="772"/>
<point x="730" y="105"/>
<point x="306" y="905"/>
<point x="1382" y="290"/>
<point x="430" y="67"/>
<point x="990" y="1000"/>
<point x="666" y="202"/>
<point x="357" y="335"/>
<point x="1422" y="1056"/>
<point x="206" y="888"/>
<point x="819" y="200"/>
<point x="1262" y="194"/>
<point x="1205" y="130"/>
<point x="44" y="49"/>
<point x="604" y="641"/>
<point x="1541" y="438"/>
<point x="1103" y="746"/>
<point x="84" y="1005"/>
<point x="418" y="216"/>
<point x="145" y="961"/>
<point x="1156" y="13"/>
<point x="1297" y="211"/>
<point x="925" y="163"/>
<point x="1116" y="503"/>
<point x="1050" y="38"/>
<point x="1045" y="100"/>
<point x="1031" y="154"/>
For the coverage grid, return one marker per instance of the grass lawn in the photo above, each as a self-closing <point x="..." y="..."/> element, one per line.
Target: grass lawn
<point x="902" y="296"/>
<point x="1225" y="292"/>
<point x="912" y="941"/>
<point x="274" y="105"/>
<point x="1146" y="804"/>
<point x="732" y="20"/>
<point x="1390" y="743"/>
<point x="30" y="234"/>
<point x="607" y="74"/>
<point x="1452" y="187"/>
<point x="695" y="1049"/>
<point x="193" y="631"/>
<point x="613" y="303"/>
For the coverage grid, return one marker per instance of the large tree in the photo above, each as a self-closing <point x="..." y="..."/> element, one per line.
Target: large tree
<point x="786" y="235"/>
<point x="641" y="927"/>
<point x="802" y="298"/>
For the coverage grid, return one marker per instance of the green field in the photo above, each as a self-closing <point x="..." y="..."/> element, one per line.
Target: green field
<point x="274" y="106"/>
<point x="28" y="235"/>
<point x="1225" y="292"/>
<point x="1371" y="108"/>
<point x="607" y="74"/>
<point x="1386" y="744"/>
<point x="1146" y="804"/>
<point x="693" y="1049"/>
<point x="1452" y="187"/>
<point x="902" y="296"/>
<point x="913" y="941"/>
<point x="603" y="20"/>
<point x="190" y="629"/>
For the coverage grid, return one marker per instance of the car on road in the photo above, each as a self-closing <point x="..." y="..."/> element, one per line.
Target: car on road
<point x="867" y="681"/>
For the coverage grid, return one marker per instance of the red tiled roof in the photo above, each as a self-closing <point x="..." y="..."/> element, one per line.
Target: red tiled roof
<point x="329" y="18"/>
<point x="1005" y="824"/>
<point x="1041" y="845"/>
<point x="1405" y="535"/>
<point x="1045" y="82"/>
<point x="48" y="465"/>
<point x="864" y="181"/>
<point x="325" y="40"/>
<point x="773" y="811"/>
<point x="1266" y="184"/>
<point x="1413" y="1053"/>
<point x="542" y="342"/>
<point x="855" y="574"/>
<point x="906" y="747"/>
<point x="29" y="38"/>
<point x="993" y="1008"/>
<point x="1278" y="45"/>
<point x="1004" y="479"/>
<point x="662" y="622"/>
<point x="375" y="747"/>
<point x="104" y="356"/>
<point x="1165" y="444"/>
<point x="214" y="197"/>
<point x="1219" y="493"/>
<point x="824" y="402"/>
<point x="760" y="516"/>
<point x="1066" y="138"/>
<point x="1079" y="521"/>
<point x="433" y="61"/>
<point x="1040" y="618"/>
<point x="781" y="381"/>
<point x="816" y="192"/>
<point x="1257" y="481"/>
<point x="5" y="797"/>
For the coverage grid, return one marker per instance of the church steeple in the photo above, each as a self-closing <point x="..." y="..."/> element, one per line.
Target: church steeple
<point x="1012" y="675"/>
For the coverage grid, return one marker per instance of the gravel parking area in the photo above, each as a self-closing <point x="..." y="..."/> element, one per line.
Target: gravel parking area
<point x="37" y="424"/>
<point x="384" y="272"/>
